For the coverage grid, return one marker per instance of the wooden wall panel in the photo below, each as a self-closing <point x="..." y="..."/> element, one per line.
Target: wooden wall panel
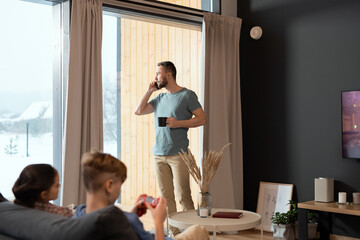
<point x="144" y="125"/>
<point x="143" y="45"/>
<point x="153" y="190"/>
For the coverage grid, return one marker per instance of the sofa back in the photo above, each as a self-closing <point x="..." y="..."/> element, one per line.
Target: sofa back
<point x="18" y="222"/>
<point x="2" y="199"/>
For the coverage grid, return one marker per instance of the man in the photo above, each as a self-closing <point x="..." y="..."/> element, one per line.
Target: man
<point x="179" y="105"/>
<point x="103" y="176"/>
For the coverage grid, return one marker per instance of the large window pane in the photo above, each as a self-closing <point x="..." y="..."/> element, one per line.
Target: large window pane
<point x="111" y="84"/>
<point x="131" y="50"/>
<point x="31" y="74"/>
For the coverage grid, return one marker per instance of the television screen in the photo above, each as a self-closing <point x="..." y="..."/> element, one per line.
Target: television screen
<point x="350" y="114"/>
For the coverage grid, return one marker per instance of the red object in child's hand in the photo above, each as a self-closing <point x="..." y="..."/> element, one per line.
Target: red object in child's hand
<point x="143" y="198"/>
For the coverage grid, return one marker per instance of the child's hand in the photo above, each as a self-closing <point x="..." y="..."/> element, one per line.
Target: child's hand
<point x="158" y="213"/>
<point x="138" y="207"/>
<point x="135" y="207"/>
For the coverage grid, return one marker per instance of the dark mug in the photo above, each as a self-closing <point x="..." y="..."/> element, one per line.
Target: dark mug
<point x="162" y="121"/>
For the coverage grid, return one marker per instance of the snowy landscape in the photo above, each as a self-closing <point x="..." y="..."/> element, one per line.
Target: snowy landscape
<point x="14" y="153"/>
<point x="27" y="71"/>
<point x="19" y="149"/>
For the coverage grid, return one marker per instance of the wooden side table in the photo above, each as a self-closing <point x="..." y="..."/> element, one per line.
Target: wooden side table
<point x="331" y="207"/>
<point x="186" y="219"/>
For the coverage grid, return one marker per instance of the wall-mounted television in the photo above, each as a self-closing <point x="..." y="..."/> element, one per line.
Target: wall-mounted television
<point x="350" y="117"/>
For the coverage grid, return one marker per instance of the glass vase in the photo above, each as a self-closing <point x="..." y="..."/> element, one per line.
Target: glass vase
<point x="204" y="204"/>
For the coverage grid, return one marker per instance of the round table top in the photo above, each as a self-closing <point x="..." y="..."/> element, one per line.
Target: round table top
<point x="186" y="219"/>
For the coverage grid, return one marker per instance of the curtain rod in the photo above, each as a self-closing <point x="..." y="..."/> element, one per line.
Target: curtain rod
<point x="157" y="9"/>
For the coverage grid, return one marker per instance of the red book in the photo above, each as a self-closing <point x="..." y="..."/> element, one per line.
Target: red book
<point x="227" y="215"/>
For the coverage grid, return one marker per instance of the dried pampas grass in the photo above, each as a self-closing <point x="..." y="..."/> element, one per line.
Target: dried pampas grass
<point x="209" y="163"/>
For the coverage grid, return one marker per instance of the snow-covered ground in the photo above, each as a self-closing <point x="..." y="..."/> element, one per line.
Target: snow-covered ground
<point x="40" y="151"/>
<point x="40" y="146"/>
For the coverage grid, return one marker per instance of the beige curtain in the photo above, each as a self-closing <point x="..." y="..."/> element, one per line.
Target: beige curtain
<point x="222" y="107"/>
<point x="83" y="125"/>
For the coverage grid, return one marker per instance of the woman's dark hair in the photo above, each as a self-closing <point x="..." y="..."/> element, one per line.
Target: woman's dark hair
<point x="34" y="179"/>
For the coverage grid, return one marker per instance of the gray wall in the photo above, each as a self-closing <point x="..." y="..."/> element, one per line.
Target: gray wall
<point x="229" y="7"/>
<point x="291" y="82"/>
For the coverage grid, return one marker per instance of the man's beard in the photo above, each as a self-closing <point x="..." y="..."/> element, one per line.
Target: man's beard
<point x="163" y="83"/>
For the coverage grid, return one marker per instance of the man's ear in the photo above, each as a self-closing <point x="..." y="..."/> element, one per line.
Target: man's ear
<point x="108" y="185"/>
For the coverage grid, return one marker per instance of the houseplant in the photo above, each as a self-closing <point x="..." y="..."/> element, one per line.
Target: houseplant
<point x="203" y="175"/>
<point x="283" y="224"/>
<point x="292" y="217"/>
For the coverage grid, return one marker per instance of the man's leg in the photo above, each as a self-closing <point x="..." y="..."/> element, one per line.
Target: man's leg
<point x="164" y="178"/>
<point x="181" y="182"/>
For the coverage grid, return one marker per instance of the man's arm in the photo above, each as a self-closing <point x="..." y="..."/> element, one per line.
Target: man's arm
<point x="144" y="107"/>
<point x="199" y="119"/>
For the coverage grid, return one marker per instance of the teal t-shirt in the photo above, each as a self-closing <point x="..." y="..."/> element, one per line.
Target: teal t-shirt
<point x="180" y="105"/>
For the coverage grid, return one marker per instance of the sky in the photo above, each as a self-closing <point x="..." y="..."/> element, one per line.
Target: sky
<point x="26" y="53"/>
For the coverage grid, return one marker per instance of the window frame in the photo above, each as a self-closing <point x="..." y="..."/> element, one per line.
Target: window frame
<point x="60" y="80"/>
<point x="161" y="10"/>
<point x="119" y="12"/>
<point x="61" y="18"/>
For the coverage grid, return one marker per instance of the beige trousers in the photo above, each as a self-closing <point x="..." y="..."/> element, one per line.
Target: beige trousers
<point x="172" y="174"/>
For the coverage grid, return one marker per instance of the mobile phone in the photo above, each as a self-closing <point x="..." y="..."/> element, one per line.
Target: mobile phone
<point x="144" y="198"/>
<point x="156" y="85"/>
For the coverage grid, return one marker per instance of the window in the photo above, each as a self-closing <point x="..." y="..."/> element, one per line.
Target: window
<point x="132" y="46"/>
<point x="33" y="66"/>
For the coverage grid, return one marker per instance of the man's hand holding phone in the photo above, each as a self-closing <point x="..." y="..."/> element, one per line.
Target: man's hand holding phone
<point x="153" y="86"/>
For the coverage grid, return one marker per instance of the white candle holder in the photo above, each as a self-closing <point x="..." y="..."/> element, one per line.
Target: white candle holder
<point x="342" y="197"/>
<point x="356" y="198"/>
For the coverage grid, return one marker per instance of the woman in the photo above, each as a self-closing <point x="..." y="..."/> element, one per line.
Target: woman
<point x="36" y="186"/>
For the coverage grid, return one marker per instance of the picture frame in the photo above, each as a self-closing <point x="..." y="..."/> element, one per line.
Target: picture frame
<point x="273" y="197"/>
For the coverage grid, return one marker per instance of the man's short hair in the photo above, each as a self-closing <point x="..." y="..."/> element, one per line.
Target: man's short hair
<point x="97" y="167"/>
<point x="169" y="67"/>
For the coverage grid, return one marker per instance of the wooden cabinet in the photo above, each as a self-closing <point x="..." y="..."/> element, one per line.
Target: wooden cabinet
<point x="331" y="207"/>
